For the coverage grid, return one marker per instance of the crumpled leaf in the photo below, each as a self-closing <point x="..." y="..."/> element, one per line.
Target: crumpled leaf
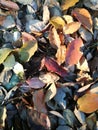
<point x="38" y="99"/>
<point x="84" y="17"/>
<point x="27" y="50"/>
<point x="35" y="83"/>
<point x="61" y="54"/>
<point x="4" y="52"/>
<point x="73" y="53"/>
<point x="68" y="3"/>
<point x="51" y="92"/>
<point x="57" y="22"/>
<point x="54" y="38"/>
<point x="71" y="27"/>
<point x="88" y="103"/>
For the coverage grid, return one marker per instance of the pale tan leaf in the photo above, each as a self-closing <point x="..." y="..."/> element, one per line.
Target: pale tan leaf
<point x="71" y="27"/>
<point x="51" y="92"/>
<point x="54" y="38"/>
<point x="68" y="3"/>
<point x="68" y="18"/>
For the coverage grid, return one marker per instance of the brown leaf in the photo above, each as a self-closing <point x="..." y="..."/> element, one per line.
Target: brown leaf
<point x="88" y="103"/>
<point x="61" y="53"/>
<point x="2" y="18"/>
<point x="84" y="17"/>
<point x="35" y="83"/>
<point x="71" y="27"/>
<point x="54" y="38"/>
<point x="73" y="53"/>
<point x="38" y="99"/>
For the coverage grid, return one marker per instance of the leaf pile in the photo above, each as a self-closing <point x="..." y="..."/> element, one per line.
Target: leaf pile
<point x="48" y="64"/>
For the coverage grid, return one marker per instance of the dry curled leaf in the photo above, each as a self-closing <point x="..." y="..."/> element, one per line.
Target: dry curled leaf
<point x="73" y="53"/>
<point x="88" y="103"/>
<point x="54" y="38"/>
<point x="84" y="17"/>
<point x="68" y="3"/>
<point x="71" y="27"/>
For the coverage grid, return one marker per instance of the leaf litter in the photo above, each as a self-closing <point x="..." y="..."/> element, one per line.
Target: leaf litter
<point x="48" y="64"/>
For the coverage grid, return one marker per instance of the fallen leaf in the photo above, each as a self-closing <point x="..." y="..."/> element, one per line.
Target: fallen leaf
<point x="51" y="92"/>
<point x="71" y="27"/>
<point x="35" y="83"/>
<point x="61" y="54"/>
<point x="4" y="52"/>
<point x="27" y="50"/>
<point x="54" y="38"/>
<point x="57" y="22"/>
<point x="73" y="53"/>
<point x="68" y="18"/>
<point x="56" y="114"/>
<point x="88" y="103"/>
<point x="84" y="17"/>
<point x="38" y="99"/>
<point x="68" y="3"/>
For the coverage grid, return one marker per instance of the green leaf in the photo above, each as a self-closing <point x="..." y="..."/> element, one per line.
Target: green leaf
<point x="9" y="62"/>
<point x="4" y="52"/>
<point x="27" y="50"/>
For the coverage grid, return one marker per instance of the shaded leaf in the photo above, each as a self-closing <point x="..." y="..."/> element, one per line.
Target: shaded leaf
<point x="54" y="38"/>
<point x="84" y="17"/>
<point x="57" y="22"/>
<point x="68" y="3"/>
<point x="61" y="54"/>
<point x="88" y="103"/>
<point x="73" y="53"/>
<point x="38" y="99"/>
<point x="71" y="27"/>
<point x="35" y="83"/>
<point x="27" y="50"/>
<point x="51" y="92"/>
<point x="4" y="52"/>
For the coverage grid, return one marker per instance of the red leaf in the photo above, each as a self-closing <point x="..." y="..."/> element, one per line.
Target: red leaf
<point x="38" y="99"/>
<point x="35" y="83"/>
<point x="73" y="53"/>
<point x="53" y="66"/>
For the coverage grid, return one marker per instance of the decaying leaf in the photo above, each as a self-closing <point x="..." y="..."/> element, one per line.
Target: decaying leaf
<point x="35" y="83"/>
<point x="84" y="17"/>
<point x="88" y="103"/>
<point x="27" y="50"/>
<point x="57" y="22"/>
<point x="61" y="54"/>
<point x="68" y="3"/>
<point x="54" y="38"/>
<point x="51" y="92"/>
<point x="73" y="53"/>
<point x="71" y="27"/>
<point x="38" y="99"/>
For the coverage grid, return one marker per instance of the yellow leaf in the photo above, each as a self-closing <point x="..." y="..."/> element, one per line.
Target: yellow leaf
<point x="57" y="22"/>
<point x="88" y="103"/>
<point x="68" y="3"/>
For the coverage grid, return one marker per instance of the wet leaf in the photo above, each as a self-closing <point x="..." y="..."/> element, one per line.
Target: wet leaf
<point x="27" y="50"/>
<point x="73" y="53"/>
<point x="88" y="103"/>
<point x="84" y="17"/>
<point x="51" y="92"/>
<point x="38" y="99"/>
<point x="68" y="3"/>
<point x="54" y="38"/>
<point x="71" y="27"/>
<point x="57" y="22"/>
<point x="4" y="52"/>
<point x="35" y="83"/>
<point x="61" y="54"/>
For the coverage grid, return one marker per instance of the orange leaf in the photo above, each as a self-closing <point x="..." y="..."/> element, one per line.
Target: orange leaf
<point x="88" y="103"/>
<point x="38" y="99"/>
<point x="73" y="53"/>
<point x="71" y="27"/>
<point x="83" y="16"/>
<point x="54" y="38"/>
